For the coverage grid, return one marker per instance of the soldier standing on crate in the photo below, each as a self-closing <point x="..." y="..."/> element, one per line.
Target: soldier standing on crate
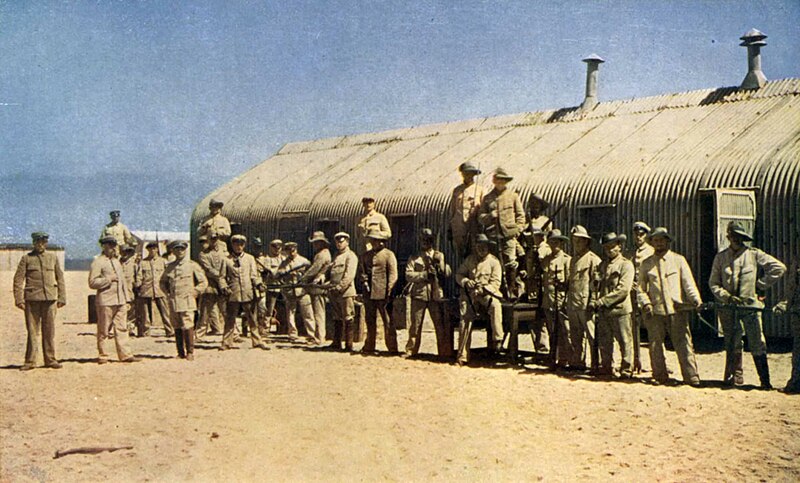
<point x="216" y="224"/>
<point x="426" y="273"/>
<point x="739" y="278"/>
<point x="39" y="290"/>
<point x="465" y="201"/>
<point x="371" y="221"/>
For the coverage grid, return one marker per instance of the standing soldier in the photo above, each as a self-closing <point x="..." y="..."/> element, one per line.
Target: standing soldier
<point x="268" y="264"/>
<point x="39" y="290"/>
<point x="503" y="219"/>
<point x="554" y="287"/>
<point x="107" y="276"/>
<point x="378" y="274"/>
<point x="128" y="260"/>
<point x="213" y="300"/>
<point x="314" y="280"/>
<point x="583" y="272"/>
<point x="426" y="272"/>
<point x="216" y="224"/>
<point x="667" y="294"/>
<point x="614" y="306"/>
<point x="147" y="282"/>
<point x="641" y="251"/>
<point x="372" y="220"/>
<point x="242" y="280"/>
<point x="536" y="216"/>
<point x="297" y="299"/>
<point x="342" y="291"/>
<point x="117" y="230"/>
<point x="791" y="308"/>
<point x="183" y="281"/>
<point x="736" y="284"/>
<point x="463" y="210"/>
<point x="479" y="276"/>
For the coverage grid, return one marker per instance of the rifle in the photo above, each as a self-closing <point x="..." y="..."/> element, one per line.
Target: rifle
<point x="595" y="342"/>
<point x="558" y="210"/>
<point x="466" y="329"/>
<point x="556" y="322"/>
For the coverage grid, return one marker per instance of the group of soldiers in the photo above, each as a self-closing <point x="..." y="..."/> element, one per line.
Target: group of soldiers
<point x="585" y="303"/>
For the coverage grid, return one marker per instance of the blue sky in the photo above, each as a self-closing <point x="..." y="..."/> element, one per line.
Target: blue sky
<point x="147" y="106"/>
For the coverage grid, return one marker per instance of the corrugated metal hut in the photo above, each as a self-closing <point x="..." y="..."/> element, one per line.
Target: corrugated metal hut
<point x="690" y="161"/>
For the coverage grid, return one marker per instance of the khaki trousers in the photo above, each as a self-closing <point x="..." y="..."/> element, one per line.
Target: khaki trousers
<point x="266" y="309"/>
<point x="115" y="316"/>
<point x="249" y="317"/>
<point x="303" y="305"/>
<point x="619" y="328"/>
<point x="373" y="307"/>
<point x="318" y="302"/>
<point x="146" y="315"/>
<point x="183" y="320"/>
<point x="753" y="327"/>
<point x="40" y="320"/>
<point x="212" y="313"/>
<point x="436" y="309"/>
<point x="794" y="379"/>
<point x="565" y="353"/>
<point x="541" y="328"/>
<point x="581" y="336"/>
<point x="678" y="327"/>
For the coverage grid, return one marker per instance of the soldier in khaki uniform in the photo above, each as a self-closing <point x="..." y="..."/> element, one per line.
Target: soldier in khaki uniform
<point x="118" y="230"/>
<point x="427" y="272"/>
<point x="297" y="299"/>
<point x="503" y="219"/>
<point x="641" y="251"/>
<point x="614" y="306"/>
<point x="536" y="216"/>
<point x="479" y="276"/>
<point x="243" y="280"/>
<point x="584" y="269"/>
<point x="214" y="298"/>
<point x="128" y="260"/>
<point x="378" y="275"/>
<point x="739" y="277"/>
<point x="183" y="281"/>
<point x="107" y="276"/>
<point x="555" y="268"/>
<point x="372" y="220"/>
<point x="314" y="279"/>
<point x="791" y="308"/>
<point x="667" y="294"/>
<point x="465" y="202"/>
<point x="216" y="224"/>
<point x="342" y="291"/>
<point x="268" y="265"/>
<point x="39" y="290"/>
<point x="147" y="283"/>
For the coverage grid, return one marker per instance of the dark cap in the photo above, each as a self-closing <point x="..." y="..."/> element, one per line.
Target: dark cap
<point x="376" y="234"/>
<point x="660" y="232"/>
<point x="612" y="237"/>
<point x="39" y="235"/>
<point x="108" y="239"/>
<point x="556" y="235"/>
<point x="154" y="244"/>
<point x="127" y="248"/>
<point x="469" y="168"/>
<point x="114" y="213"/>
<point x="501" y="173"/>
<point x="542" y="202"/>
<point x="177" y="244"/>
<point x="214" y="203"/>
<point x="482" y="239"/>
<point x="736" y="228"/>
<point x="367" y="198"/>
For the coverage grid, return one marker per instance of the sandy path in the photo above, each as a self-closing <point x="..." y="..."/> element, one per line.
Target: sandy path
<point x="295" y="414"/>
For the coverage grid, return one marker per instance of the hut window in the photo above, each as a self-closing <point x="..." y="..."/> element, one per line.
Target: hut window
<point x="404" y="239"/>
<point x="598" y="219"/>
<point x="294" y="227"/>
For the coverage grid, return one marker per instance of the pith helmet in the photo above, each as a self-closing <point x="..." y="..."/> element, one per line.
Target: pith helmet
<point x="736" y="228"/>
<point x="579" y="231"/>
<point x="556" y="235"/>
<point x="501" y="173"/>
<point x="319" y="236"/>
<point x="612" y="237"/>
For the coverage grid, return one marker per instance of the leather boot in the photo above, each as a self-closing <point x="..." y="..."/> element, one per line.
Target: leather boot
<point x="179" y="342"/>
<point x="738" y="372"/>
<point x="349" y="329"/>
<point x="511" y="282"/>
<point x="336" y="345"/>
<point x="188" y="340"/>
<point x="727" y="379"/>
<point x="762" y="367"/>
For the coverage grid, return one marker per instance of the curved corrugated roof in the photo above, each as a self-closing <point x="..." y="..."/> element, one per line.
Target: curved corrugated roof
<point x="649" y="156"/>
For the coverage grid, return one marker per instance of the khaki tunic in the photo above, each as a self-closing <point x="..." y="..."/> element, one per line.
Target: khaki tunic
<point x="120" y="233"/>
<point x="738" y="274"/>
<point x="424" y="287"/>
<point x="343" y="274"/>
<point x="372" y="221"/>
<point x="109" y="293"/>
<point x="465" y="203"/>
<point x="317" y="272"/>
<point x="508" y="207"/>
<point x="583" y="270"/>
<point x="555" y="268"/>
<point x="615" y="286"/>
<point x="486" y="273"/>
<point x="290" y="272"/>
<point x="379" y="268"/>
<point x="667" y="283"/>
<point x="147" y="277"/>
<point x="269" y="270"/>
<point x="214" y="263"/>
<point x="242" y="277"/>
<point x="216" y="224"/>
<point x="183" y="281"/>
<point x="39" y="278"/>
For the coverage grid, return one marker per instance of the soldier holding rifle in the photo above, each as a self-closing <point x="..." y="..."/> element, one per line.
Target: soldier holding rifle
<point x="479" y="276"/>
<point x="268" y="265"/>
<point x="583" y="273"/>
<point x="243" y="281"/>
<point x="791" y="308"/>
<point x="290" y="271"/>
<point x="554" y="283"/>
<point x="314" y="279"/>
<point x="739" y="277"/>
<point x="378" y="274"/>
<point x="640" y="252"/>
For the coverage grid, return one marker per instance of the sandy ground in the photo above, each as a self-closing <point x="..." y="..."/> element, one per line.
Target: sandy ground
<point x="294" y="414"/>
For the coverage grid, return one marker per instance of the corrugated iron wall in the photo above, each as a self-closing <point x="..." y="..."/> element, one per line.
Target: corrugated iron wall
<point x="650" y="157"/>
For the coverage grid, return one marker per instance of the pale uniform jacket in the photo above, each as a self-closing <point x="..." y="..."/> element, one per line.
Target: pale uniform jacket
<point x="147" y="277"/>
<point x="486" y="273"/>
<point x="342" y="274"/>
<point x="129" y="266"/>
<point x="508" y="207"/>
<point x="214" y="264"/>
<point x="39" y="278"/>
<point x="317" y="272"/>
<point x="637" y="255"/>
<point x="372" y="221"/>
<point x="290" y="271"/>
<point x="183" y="281"/>
<point x="109" y="293"/>
<point x="216" y="224"/>
<point x="422" y="287"/>
<point x="582" y="272"/>
<point x="269" y="270"/>
<point x="667" y="284"/>
<point x="120" y="233"/>
<point x="555" y="268"/>
<point x="539" y="222"/>
<point x="616" y="283"/>
<point x="465" y="202"/>
<point x="741" y="274"/>
<point x="533" y="264"/>
<point x="242" y="277"/>
<point x="380" y="267"/>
